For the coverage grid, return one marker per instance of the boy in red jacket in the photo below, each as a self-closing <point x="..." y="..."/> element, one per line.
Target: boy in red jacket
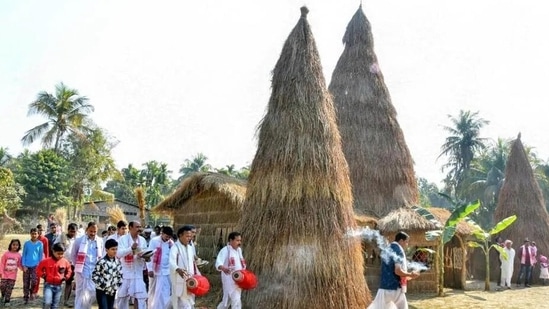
<point x="55" y="270"/>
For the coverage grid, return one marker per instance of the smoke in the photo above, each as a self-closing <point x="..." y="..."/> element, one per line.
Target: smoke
<point x="387" y="254"/>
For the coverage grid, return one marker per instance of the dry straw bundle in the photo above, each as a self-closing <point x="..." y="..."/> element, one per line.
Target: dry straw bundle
<point x="298" y="205"/>
<point x="140" y="195"/>
<point x="60" y="216"/>
<point x="381" y="167"/>
<point x="521" y="196"/>
<point x="116" y="214"/>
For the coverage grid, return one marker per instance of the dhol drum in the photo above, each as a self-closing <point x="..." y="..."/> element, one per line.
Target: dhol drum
<point x="198" y="285"/>
<point x="245" y="279"/>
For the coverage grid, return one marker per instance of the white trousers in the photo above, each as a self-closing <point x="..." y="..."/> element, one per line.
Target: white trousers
<point x="160" y="290"/>
<point x="232" y="299"/>
<point x="181" y="303"/>
<point x="389" y="299"/>
<point x="84" y="294"/>
<point x="134" y="288"/>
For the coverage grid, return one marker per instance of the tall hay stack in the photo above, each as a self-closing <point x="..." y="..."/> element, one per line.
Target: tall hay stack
<point x="298" y="205"/>
<point x="382" y="171"/>
<point x="521" y="196"/>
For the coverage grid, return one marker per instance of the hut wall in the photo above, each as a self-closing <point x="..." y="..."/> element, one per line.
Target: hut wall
<point x="215" y="216"/>
<point x="455" y="264"/>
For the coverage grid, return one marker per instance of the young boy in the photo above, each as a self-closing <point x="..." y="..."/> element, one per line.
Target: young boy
<point x="107" y="276"/>
<point x="55" y="270"/>
<point x="33" y="253"/>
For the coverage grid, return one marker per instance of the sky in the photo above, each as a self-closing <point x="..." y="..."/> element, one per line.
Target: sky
<point x="170" y="79"/>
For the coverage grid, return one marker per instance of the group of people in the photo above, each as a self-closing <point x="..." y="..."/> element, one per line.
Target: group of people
<point x="121" y="268"/>
<point x="528" y="256"/>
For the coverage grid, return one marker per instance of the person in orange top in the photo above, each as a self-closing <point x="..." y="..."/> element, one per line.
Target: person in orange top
<point x="55" y="270"/>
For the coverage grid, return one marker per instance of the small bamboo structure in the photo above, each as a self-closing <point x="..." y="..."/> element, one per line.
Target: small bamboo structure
<point x="298" y="206"/>
<point x="521" y="196"/>
<point x="381" y="167"/>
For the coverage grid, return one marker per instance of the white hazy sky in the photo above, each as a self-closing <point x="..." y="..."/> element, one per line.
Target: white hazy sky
<point x="170" y="79"/>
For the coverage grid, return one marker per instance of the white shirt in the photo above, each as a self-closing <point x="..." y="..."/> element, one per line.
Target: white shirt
<point x="133" y="269"/>
<point x="155" y="244"/>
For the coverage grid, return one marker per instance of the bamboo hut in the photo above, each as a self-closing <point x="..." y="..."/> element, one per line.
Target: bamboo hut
<point x="520" y="195"/>
<point x="455" y="251"/>
<point x="211" y="201"/>
<point x="407" y="220"/>
<point x="382" y="172"/>
<point x="298" y="206"/>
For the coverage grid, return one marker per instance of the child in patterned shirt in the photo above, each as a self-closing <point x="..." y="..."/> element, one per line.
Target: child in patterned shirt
<point x="107" y="276"/>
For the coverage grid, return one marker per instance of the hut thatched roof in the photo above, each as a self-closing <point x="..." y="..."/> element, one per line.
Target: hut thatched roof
<point x="406" y="219"/>
<point x="520" y="195"/>
<point x="299" y="193"/>
<point x="382" y="172"/>
<point x="362" y="220"/>
<point x="207" y="185"/>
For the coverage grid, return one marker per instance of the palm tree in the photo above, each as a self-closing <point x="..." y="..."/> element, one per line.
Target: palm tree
<point x="66" y="112"/>
<point x="461" y="146"/>
<point x="197" y="164"/>
<point x="486" y="179"/>
<point x="5" y="157"/>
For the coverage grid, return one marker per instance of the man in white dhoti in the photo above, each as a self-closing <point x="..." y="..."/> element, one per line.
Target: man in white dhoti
<point x="129" y="248"/>
<point x="158" y="268"/>
<point x="228" y="260"/>
<point x="87" y="250"/>
<point x="394" y="275"/>
<point x="507" y="264"/>
<point x="182" y="267"/>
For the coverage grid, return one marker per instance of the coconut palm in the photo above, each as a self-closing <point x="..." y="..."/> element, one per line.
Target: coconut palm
<point x="5" y="157"/>
<point x="66" y="112"/>
<point x="486" y="179"/>
<point x="462" y="145"/>
<point x="197" y="164"/>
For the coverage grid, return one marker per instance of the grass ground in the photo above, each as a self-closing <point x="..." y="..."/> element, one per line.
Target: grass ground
<point x="473" y="298"/>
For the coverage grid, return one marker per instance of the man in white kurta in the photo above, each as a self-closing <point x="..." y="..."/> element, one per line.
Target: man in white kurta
<point x="228" y="260"/>
<point x="86" y="251"/>
<point x="507" y="264"/>
<point x="182" y="267"/>
<point x="158" y="269"/>
<point x="129" y="248"/>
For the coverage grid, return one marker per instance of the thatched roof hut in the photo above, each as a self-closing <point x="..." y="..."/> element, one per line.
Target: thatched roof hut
<point x="382" y="171"/>
<point x="299" y="194"/>
<point x="211" y="201"/>
<point x="520" y="195"/>
<point x="409" y="221"/>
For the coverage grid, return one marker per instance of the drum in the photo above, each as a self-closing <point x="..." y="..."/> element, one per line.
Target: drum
<point x="198" y="285"/>
<point x="245" y="279"/>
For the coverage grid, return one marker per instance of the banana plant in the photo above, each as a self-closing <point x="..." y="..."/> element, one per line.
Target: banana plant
<point x="444" y="232"/>
<point x="482" y="241"/>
